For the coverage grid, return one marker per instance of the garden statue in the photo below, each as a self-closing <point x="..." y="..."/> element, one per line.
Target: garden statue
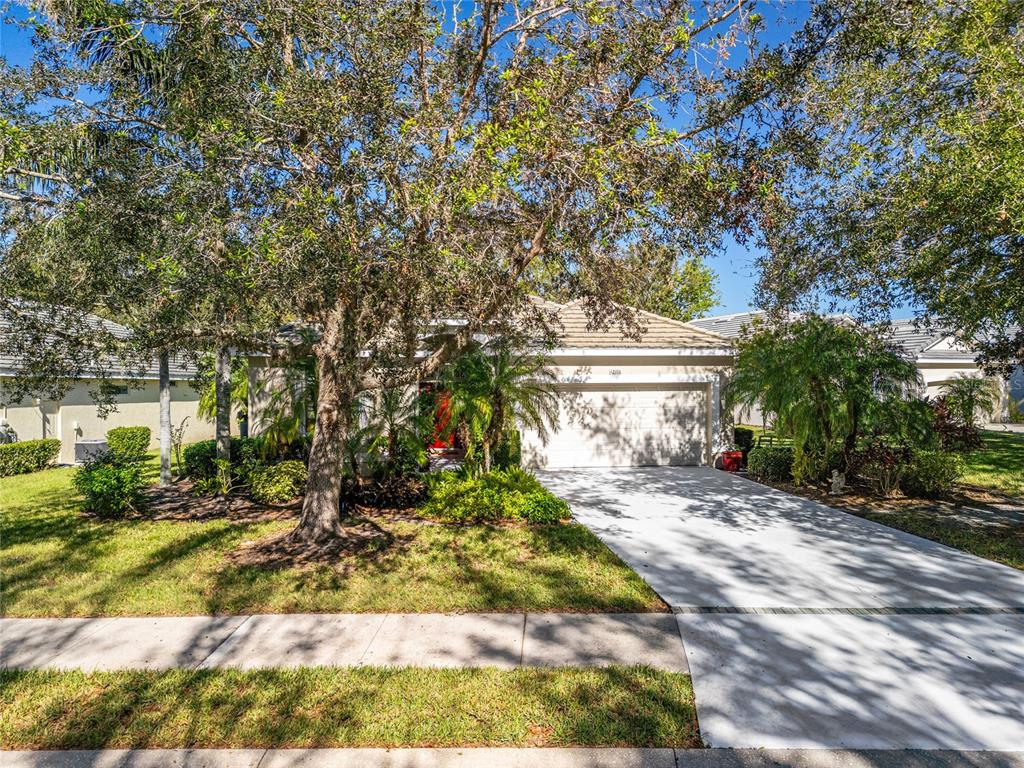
<point x="7" y="433"/>
<point x="838" y="482"/>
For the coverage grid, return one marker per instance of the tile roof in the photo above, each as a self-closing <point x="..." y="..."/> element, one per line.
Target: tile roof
<point x="915" y="340"/>
<point x="181" y="369"/>
<point x="729" y="326"/>
<point x="660" y="332"/>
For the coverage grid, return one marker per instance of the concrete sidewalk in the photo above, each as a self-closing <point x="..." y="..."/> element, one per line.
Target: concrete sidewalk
<point x="505" y="640"/>
<point x="508" y="758"/>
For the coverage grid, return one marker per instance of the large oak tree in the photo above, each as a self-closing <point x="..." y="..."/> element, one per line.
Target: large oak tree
<point x="409" y="163"/>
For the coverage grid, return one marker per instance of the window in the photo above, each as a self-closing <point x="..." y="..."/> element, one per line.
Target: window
<point x="114" y="389"/>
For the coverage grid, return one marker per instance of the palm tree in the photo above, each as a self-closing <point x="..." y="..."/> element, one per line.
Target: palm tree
<point x="968" y="396"/>
<point x="396" y="424"/>
<point x="825" y="381"/>
<point x="494" y="390"/>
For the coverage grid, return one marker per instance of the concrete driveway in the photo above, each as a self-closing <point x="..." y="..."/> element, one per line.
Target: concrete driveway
<point x="809" y="627"/>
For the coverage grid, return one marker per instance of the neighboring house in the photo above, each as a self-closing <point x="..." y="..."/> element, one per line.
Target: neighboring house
<point x="939" y="359"/>
<point x="74" y="417"/>
<point x="623" y="401"/>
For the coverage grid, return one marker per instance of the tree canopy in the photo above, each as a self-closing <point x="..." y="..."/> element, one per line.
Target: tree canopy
<point x="375" y="168"/>
<point x="914" y="182"/>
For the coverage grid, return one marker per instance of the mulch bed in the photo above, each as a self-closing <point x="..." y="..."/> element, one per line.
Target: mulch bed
<point x="973" y="506"/>
<point x="179" y="501"/>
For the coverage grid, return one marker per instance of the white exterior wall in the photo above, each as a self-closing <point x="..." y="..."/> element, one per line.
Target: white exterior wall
<point x="75" y="417"/>
<point x="632" y="409"/>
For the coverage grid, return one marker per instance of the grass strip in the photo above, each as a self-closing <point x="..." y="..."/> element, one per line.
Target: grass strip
<point x="347" y="707"/>
<point x="1001" y="543"/>
<point x="55" y="562"/>
<point x="1000" y="466"/>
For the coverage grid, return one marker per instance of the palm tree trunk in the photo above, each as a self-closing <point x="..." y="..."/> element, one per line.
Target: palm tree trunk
<point x="222" y="384"/>
<point x="165" y="419"/>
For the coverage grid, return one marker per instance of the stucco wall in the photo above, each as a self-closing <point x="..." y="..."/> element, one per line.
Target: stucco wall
<point x="75" y="417"/>
<point x="631" y="409"/>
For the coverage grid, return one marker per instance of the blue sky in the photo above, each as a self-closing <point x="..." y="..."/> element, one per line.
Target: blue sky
<point x="734" y="266"/>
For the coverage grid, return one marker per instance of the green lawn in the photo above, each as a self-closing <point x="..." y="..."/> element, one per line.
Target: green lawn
<point x="358" y="707"/>
<point x="1002" y="543"/>
<point x="1000" y="467"/>
<point x="56" y="562"/>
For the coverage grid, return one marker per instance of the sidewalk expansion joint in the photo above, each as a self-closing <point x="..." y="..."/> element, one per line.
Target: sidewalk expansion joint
<point x="199" y="664"/>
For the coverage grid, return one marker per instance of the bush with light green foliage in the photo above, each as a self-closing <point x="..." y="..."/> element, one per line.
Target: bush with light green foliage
<point x="931" y="473"/>
<point x="275" y="483"/>
<point x="771" y="463"/>
<point x="128" y="443"/>
<point x="27" y="456"/>
<point x="509" y="494"/>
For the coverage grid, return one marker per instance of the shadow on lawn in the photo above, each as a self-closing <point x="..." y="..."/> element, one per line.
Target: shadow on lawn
<point x="57" y="561"/>
<point x="382" y="707"/>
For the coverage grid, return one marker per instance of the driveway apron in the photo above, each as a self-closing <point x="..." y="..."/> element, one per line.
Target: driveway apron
<point x="808" y="627"/>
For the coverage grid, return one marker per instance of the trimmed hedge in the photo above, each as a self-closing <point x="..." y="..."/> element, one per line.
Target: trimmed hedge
<point x="274" y="483"/>
<point x="931" y="473"/>
<point x="111" y="487"/>
<point x="771" y="463"/>
<point x="27" y="456"/>
<point x="511" y="494"/>
<point x="128" y="443"/>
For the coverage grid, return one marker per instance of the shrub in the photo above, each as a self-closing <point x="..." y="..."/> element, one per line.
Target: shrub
<point x="201" y="458"/>
<point x="953" y="434"/>
<point x="884" y="464"/>
<point x="111" y="487"/>
<point x="544" y="508"/>
<point x="128" y="443"/>
<point x="773" y="463"/>
<point x="508" y="452"/>
<point x="399" y="492"/>
<point x="744" y="439"/>
<point x="931" y="473"/>
<point x="512" y="494"/>
<point x="27" y="456"/>
<point x="275" y="483"/>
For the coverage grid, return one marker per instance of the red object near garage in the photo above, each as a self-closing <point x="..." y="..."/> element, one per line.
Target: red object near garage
<point x="732" y="461"/>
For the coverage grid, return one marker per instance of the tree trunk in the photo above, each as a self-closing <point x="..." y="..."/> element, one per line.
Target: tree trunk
<point x="222" y="386"/>
<point x="321" y="509"/>
<point x="485" y="445"/>
<point x="165" y="419"/>
<point x="338" y="377"/>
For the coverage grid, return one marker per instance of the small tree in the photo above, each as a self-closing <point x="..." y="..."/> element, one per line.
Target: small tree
<point x="497" y="389"/>
<point x="969" y="398"/>
<point x="826" y="381"/>
<point x="395" y="432"/>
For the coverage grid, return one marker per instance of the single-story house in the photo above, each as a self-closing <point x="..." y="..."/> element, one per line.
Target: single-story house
<point x="938" y="357"/>
<point x="629" y="402"/>
<point x="623" y="401"/>
<point x="75" y="416"/>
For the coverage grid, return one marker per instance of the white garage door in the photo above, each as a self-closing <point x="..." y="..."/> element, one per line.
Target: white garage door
<point x="624" y="426"/>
